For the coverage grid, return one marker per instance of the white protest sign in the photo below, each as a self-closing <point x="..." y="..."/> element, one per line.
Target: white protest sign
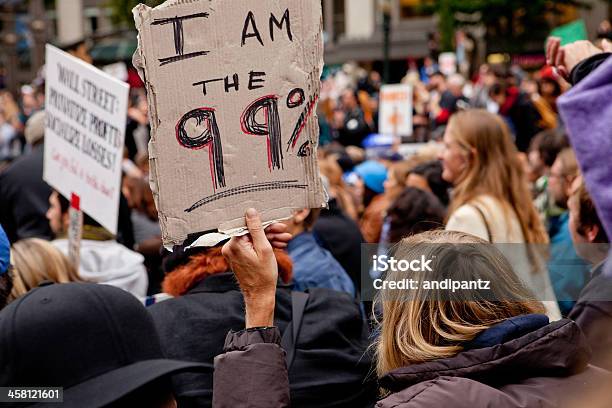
<point x="395" y="110"/>
<point x="86" y="111"/>
<point x="232" y="89"/>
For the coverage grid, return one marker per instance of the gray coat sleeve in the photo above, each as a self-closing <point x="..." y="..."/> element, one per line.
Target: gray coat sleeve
<point x="252" y="372"/>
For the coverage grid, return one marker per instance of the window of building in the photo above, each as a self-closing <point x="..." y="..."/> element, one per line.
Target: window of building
<point x="339" y="18"/>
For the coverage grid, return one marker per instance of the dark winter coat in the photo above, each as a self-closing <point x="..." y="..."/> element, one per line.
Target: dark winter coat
<point x="547" y="367"/>
<point x="329" y="369"/>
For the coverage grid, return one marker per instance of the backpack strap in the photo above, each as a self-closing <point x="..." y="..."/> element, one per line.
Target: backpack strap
<point x="292" y="331"/>
<point x="484" y="219"/>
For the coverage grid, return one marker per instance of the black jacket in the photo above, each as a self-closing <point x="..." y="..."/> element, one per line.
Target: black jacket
<point x="341" y="236"/>
<point x="593" y="313"/>
<point x="24" y="198"/>
<point x="330" y="366"/>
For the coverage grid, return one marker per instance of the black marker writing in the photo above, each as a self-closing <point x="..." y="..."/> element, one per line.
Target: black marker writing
<point x="284" y="21"/>
<point x="250" y="21"/>
<point x="271" y="128"/>
<point x="179" y="37"/>
<point x="198" y="129"/>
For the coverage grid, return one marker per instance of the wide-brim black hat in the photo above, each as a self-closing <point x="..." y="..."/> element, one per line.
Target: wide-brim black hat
<point x="95" y="341"/>
<point x="116" y="384"/>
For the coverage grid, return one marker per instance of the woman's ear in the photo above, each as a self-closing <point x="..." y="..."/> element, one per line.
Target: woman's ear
<point x="591" y="233"/>
<point x="300" y="215"/>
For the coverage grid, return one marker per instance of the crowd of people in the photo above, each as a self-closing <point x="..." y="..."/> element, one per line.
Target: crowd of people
<point x="279" y="317"/>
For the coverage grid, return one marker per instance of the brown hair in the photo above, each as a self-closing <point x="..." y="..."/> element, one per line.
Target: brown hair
<point x="36" y="261"/>
<point x="587" y="215"/>
<point x="494" y="169"/>
<point x="425" y="324"/>
<point x="211" y="262"/>
<point x="569" y="163"/>
<point x="330" y="168"/>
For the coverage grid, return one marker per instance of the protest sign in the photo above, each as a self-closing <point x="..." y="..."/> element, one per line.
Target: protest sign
<point x="395" y="111"/>
<point x="232" y="89"/>
<point x="86" y="111"/>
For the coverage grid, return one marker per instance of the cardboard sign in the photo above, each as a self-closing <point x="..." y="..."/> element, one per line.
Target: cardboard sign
<point x="395" y="111"/>
<point x="86" y="111"/>
<point x="232" y="89"/>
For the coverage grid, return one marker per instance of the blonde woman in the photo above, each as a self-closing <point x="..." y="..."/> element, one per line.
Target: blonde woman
<point x="36" y="261"/>
<point x="484" y="345"/>
<point x="491" y="198"/>
<point x="474" y="347"/>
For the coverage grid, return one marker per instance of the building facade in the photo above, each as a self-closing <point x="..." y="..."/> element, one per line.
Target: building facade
<point x="354" y="30"/>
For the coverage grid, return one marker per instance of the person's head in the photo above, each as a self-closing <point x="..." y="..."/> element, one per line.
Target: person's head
<point x="550" y="90"/>
<point x="413" y="212"/>
<point x="428" y="177"/>
<point x="302" y="221"/>
<point x="396" y="180"/>
<point x="35" y="128"/>
<point x="535" y="163"/>
<point x="455" y="84"/>
<point x="96" y="341"/>
<point x="36" y="261"/>
<point x="480" y="158"/>
<point x="58" y="215"/>
<point x="550" y="145"/>
<point x="437" y="82"/>
<point x="349" y="100"/>
<point x="584" y="224"/>
<point x="428" y="324"/>
<point x="497" y="92"/>
<point x="186" y="268"/>
<point x="6" y="277"/>
<point x="562" y="174"/>
<point x="373" y="174"/>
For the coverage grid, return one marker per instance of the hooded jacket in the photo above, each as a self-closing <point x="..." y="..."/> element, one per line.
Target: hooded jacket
<point x="546" y="367"/>
<point x="110" y="263"/>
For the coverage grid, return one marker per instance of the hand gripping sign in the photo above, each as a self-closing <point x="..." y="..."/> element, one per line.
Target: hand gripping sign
<point x="232" y="89"/>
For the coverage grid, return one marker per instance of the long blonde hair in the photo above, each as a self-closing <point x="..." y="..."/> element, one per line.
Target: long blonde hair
<point x="35" y="261"/>
<point x="493" y="169"/>
<point x="430" y="323"/>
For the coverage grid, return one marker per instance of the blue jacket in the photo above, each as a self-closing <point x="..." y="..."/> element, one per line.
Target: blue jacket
<point x="568" y="272"/>
<point x="315" y="267"/>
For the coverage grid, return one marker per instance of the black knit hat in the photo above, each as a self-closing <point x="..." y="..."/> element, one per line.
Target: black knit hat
<point x="96" y="341"/>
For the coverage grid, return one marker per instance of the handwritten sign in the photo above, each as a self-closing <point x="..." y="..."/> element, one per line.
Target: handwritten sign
<point x="86" y="111"/>
<point x="232" y="89"/>
<point x="395" y="112"/>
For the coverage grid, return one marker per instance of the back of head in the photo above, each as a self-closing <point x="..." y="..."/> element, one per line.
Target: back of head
<point x="35" y="128"/>
<point x="551" y="142"/>
<point x="429" y="323"/>
<point x="493" y="169"/>
<point x="569" y="163"/>
<point x="36" y="261"/>
<point x="413" y="212"/>
<point x="185" y="268"/>
<point x="432" y="172"/>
